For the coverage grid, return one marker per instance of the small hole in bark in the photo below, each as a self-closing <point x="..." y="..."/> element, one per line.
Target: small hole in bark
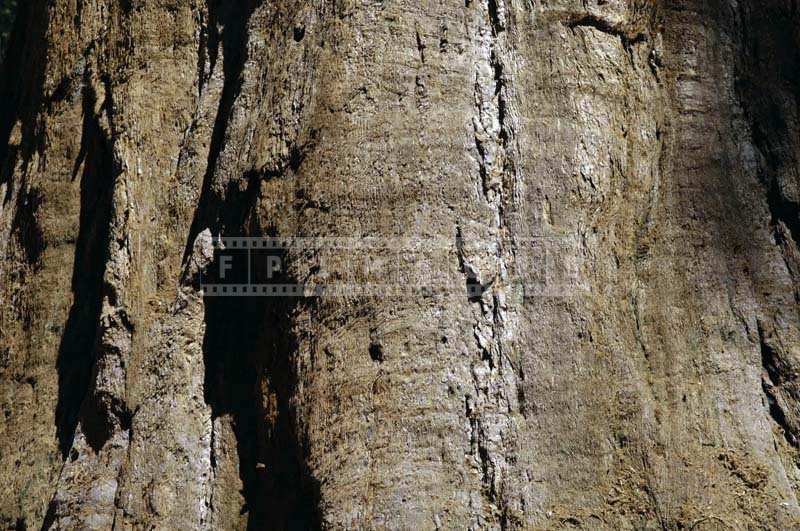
<point x="299" y="33"/>
<point x="474" y="289"/>
<point x="376" y="352"/>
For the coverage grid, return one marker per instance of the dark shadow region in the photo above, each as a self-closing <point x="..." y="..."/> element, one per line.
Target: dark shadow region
<point x="78" y="343"/>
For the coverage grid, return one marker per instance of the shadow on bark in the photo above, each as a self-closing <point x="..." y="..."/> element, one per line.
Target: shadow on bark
<point x="19" y="96"/>
<point x="768" y="85"/>
<point x="248" y="351"/>
<point x="233" y="17"/>
<point x="248" y="345"/>
<point x="77" y="350"/>
<point x="22" y="85"/>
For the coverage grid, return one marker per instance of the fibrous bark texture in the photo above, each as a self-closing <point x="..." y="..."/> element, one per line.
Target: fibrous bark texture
<point x="659" y="391"/>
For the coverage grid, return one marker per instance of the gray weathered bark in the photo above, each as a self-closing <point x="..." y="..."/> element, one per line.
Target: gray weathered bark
<point x="659" y="137"/>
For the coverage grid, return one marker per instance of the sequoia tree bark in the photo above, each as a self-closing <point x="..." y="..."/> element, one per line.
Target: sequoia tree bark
<point x="659" y="391"/>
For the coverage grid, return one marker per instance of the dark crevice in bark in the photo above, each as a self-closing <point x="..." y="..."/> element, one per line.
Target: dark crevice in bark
<point x="768" y="127"/>
<point x="203" y="55"/>
<point x="768" y="86"/>
<point x="776" y="371"/>
<point x="474" y="288"/>
<point x="770" y="360"/>
<point x="78" y="342"/>
<point x="376" y="351"/>
<point x="101" y="417"/>
<point x="234" y="18"/>
<point x="420" y="47"/>
<point x="26" y="228"/>
<point x="494" y="142"/>
<point x="479" y="449"/>
<point x="784" y="211"/>
<point x="208" y="48"/>
<point x="298" y="33"/>
<point x="776" y="412"/>
<point x="248" y="346"/>
<point x="604" y="26"/>
<point x="495" y="17"/>
<point x="248" y="350"/>
<point x="22" y="83"/>
<point x="499" y="86"/>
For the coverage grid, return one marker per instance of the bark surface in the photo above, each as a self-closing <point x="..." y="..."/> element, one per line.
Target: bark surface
<point x="660" y="137"/>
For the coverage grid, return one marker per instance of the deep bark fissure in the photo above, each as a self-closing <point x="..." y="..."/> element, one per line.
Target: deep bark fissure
<point x="234" y="19"/>
<point x="485" y="289"/>
<point x="78" y="342"/>
<point x="771" y="384"/>
<point x="248" y="357"/>
<point x="248" y="351"/>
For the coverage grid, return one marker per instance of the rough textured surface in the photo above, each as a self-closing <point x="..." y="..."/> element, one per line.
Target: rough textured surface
<point x="661" y="138"/>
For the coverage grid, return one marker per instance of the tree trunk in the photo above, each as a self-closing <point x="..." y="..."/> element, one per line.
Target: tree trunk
<point x="613" y="188"/>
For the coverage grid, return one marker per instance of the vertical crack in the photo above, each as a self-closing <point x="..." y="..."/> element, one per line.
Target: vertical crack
<point x="234" y="18"/>
<point x="77" y="353"/>
<point x="490" y="410"/>
<point x="784" y="212"/>
<point x="775" y="376"/>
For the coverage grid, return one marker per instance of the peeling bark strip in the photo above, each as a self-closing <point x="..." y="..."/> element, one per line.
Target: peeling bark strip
<point x="660" y="136"/>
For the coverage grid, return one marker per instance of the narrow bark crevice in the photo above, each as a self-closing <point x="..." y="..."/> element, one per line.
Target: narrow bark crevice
<point x="496" y="10"/>
<point x="784" y="210"/>
<point x="494" y="142"/>
<point x="777" y="413"/>
<point x="474" y="288"/>
<point x="208" y="45"/>
<point x="234" y="18"/>
<point x="77" y="349"/>
<point x="591" y="21"/>
<point x="776" y="371"/>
